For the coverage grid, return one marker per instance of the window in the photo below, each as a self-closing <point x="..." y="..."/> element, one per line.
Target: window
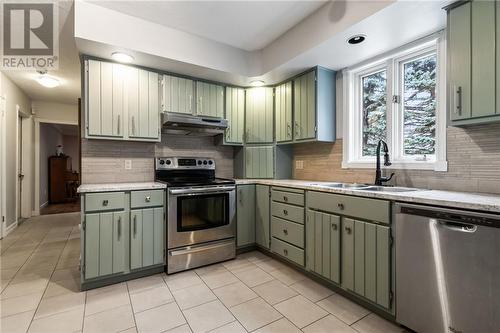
<point x="398" y="98"/>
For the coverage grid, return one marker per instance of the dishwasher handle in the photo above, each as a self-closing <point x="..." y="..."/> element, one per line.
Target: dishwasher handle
<point x="457" y="226"/>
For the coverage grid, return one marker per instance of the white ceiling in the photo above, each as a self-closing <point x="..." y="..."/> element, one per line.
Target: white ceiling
<point x="68" y="130"/>
<point x="69" y="66"/>
<point x="247" y="25"/>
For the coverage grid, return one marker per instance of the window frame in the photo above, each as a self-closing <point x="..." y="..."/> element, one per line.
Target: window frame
<point x="393" y="62"/>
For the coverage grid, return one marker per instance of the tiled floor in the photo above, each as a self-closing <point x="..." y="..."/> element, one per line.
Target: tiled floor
<point x="253" y="293"/>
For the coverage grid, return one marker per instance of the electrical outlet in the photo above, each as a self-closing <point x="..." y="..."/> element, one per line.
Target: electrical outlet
<point x="299" y="164"/>
<point x="128" y="164"/>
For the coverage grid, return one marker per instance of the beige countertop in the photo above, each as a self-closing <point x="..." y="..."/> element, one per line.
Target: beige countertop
<point x="113" y="187"/>
<point x="462" y="200"/>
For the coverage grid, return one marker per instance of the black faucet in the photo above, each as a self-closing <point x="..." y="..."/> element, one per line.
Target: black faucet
<point x="379" y="179"/>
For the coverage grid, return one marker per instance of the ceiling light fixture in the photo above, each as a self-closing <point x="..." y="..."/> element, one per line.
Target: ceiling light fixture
<point x="46" y="80"/>
<point x="122" y="57"/>
<point x="257" y="83"/>
<point x="356" y="39"/>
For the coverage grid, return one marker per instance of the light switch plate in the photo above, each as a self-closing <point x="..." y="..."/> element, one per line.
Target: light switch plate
<point x="299" y="164"/>
<point x="128" y="164"/>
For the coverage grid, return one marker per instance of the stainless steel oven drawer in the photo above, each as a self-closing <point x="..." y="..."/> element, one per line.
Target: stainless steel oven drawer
<point x="189" y="257"/>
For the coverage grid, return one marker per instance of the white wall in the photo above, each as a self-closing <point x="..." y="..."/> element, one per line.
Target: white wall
<point x="56" y="112"/>
<point x="50" y="137"/>
<point x="15" y="96"/>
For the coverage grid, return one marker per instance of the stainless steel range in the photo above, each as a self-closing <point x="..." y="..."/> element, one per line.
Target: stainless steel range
<point x="201" y="222"/>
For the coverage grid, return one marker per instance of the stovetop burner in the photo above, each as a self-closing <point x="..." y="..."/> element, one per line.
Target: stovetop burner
<point x="188" y="172"/>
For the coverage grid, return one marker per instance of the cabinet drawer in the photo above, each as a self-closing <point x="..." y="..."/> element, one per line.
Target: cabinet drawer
<point x="288" y="197"/>
<point x="288" y="212"/>
<point x="290" y="232"/>
<point x="364" y="208"/>
<point x="287" y="251"/>
<point x="148" y="198"/>
<point x="104" y="201"/>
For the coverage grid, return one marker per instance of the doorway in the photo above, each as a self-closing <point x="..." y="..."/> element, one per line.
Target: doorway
<point x="2" y="166"/>
<point x="58" y="157"/>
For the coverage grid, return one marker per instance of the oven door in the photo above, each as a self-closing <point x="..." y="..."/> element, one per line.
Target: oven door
<point x="200" y="214"/>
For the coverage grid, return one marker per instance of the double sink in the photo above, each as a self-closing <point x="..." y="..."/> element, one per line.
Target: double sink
<point x="365" y="187"/>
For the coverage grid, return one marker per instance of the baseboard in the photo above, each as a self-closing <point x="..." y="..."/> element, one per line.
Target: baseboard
<point x="10" y="228"/>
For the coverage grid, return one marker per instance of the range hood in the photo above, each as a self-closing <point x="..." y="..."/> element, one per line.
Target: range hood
<point x="190" y="125"/>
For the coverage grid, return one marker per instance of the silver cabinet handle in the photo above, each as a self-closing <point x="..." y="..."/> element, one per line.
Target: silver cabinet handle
<point x="289" y="130"/>
<point x="334" y="226"/>
<point x="135" y="225"/>
<point x="228" y="132"/>
<point x="240" y="196"/>
<point x="105" y="203"/>
<point x="118" y="125"/>
<point x="285" y="199"/>
<point x="285" y="212"/>
<point x="285" y="231"/>
<point x="133" y="125"/>
<point x="119" y="227"/>
<point x="148" y="198"/>
<point x="191" y="103"/>
<point x="285" y="251"/>
<point x="340" y="206"/>
<point x="297" y="128"/>
<point x="457" y="93"/>
<point x="348" y="230"/>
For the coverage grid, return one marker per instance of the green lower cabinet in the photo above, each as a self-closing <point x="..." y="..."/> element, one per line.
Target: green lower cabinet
<point x="323" y="244"/>
<point x="146" y="237"/>
<point x="245" y="215"/>
<point x="262" y="216"/>
<point x="366" y="260"/>
<point x="105" y="244"/>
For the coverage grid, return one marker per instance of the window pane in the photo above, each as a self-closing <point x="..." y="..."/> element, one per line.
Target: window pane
<point x="374" y="111"/>
<point x="420" y="106"/>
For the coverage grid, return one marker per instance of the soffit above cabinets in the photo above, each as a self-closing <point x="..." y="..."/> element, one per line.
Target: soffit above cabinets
<point x="318" y="39"/>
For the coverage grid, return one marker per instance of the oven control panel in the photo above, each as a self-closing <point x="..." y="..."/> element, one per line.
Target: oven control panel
<point x="164" y="163"/>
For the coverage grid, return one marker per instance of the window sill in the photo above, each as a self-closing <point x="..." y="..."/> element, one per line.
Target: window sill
<point x="439" y="166"/>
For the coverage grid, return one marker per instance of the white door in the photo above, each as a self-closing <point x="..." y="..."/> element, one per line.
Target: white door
<point x="20" y="175"/>
<point x="2" y="166"/>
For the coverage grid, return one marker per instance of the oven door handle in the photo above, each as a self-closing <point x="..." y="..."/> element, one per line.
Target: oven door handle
<point x="174" y="253"/>
<point x="201" y="190"/>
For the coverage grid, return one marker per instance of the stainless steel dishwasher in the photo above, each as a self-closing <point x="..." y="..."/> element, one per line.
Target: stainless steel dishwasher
<point x="447" y="270"/>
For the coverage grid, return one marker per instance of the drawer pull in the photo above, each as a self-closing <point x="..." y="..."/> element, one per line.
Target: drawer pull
<point x="340" y="206"/>
<point x="348" y="230"/>
<point x="285" y="199"/>
<point x="334" y="226"/>
<point x="285" y="251"/>
<point x="135" y="225"/>
<point x="285" y="212"/>
<point x="105" y="202"/>
<point x="148" y="198"/>
<point x="285" y="231"/>
<point x="119" y="227"/>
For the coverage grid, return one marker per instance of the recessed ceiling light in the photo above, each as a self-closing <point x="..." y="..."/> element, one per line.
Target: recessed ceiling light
<point x="356" y="39"/>
<point x="257" y="83"/>
<point x="47" y="81"/>
<point x="122" y="57"/>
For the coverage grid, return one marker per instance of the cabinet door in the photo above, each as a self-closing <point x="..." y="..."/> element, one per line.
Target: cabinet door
<point x="178" y="95"/>
<point x="283" y="111"/>
<point x="210" y="100"/>
<point x="259" y="115"/>
<point x="146" y="237"/>
<point x="235" y="115"/>
<point x="142" y="104"/>
<point x="259" y="162"/>
<point x="459" y="48"/>
<point x="136" y="239"/>
<point x="483" y="58"/>
<point x="245" y="215"/>
<point x="323" y="244"/>
<point x="104" y="244"/>
<point x="304" y="105"/>
<point x="348" y="253"/>
<point x="262" y="216"/>
<point x="105" y="85"/>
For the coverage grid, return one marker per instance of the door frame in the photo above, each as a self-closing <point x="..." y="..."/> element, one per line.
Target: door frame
<point x="38" y="121"/>
<point x="3" y="187"/>
<point x="20" y="114"/>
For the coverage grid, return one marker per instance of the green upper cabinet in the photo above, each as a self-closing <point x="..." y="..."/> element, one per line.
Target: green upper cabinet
<point x="314" y="106"/>
<point x="283" y="110"/>
<point x="142" y="104"/>
<point x="235" y="115"/>
<point x="121" y="102"/>
<point x="473" y="58"/>
<point x="178" y="95"/>
<point x="245" y="215"/>
<point x="259" y="115"/>
<point x="259" y="162"/>
<point x="210" y="100"/>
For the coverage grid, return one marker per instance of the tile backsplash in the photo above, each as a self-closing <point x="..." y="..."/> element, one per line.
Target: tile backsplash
<point x="103" y="161"/>
<point x="473" y="163"/>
